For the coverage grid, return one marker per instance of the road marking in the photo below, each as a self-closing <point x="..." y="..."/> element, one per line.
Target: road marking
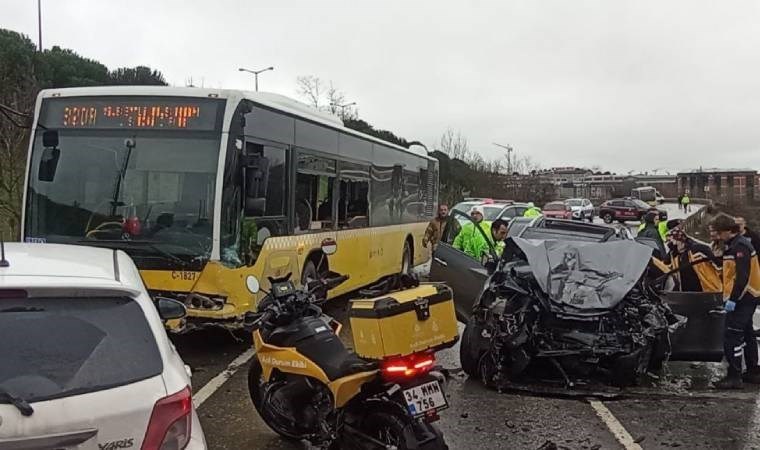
<point x="212" y="386"/>
<point x="617" y="429"/>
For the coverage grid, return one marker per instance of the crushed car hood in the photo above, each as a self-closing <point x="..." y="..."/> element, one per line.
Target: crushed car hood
<point x="585" y="275"/>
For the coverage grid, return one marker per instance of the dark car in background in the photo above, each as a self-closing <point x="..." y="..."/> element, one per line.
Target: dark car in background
<point x="624" y="209"/>
<point x="699" y="340"/>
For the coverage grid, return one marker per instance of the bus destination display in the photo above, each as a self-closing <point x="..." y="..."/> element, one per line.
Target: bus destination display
<point x="132" y="113"/>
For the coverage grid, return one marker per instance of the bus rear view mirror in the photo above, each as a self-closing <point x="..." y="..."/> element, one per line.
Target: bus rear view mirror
<point x="48" y="164"/>
<point x="50" y="138"/>
<point x="255" y="206"/>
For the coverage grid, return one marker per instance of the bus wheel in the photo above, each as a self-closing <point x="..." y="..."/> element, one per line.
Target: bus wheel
<point x="406" y="259"/>
<point x="310" y="274"/>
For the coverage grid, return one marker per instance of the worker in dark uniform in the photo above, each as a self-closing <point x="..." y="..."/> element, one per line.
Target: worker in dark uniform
<point x="697" y="270"/>
<point x="741" y="289"/>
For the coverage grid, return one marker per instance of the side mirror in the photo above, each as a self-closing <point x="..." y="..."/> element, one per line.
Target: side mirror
<point x="170" y="309"/>
<point x="329" y="246"/>
<point x="48" y="164"/>
<point x="50" y="138"/>
<point x="255" y="206"/>
<point x="252" y="283"/>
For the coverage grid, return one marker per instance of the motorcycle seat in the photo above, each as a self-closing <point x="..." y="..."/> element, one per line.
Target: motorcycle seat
<point x="329" y="353"/>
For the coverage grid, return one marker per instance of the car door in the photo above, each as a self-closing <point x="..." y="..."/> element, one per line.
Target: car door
<point x="462" y="273"/>
<point x="701" y="338"/>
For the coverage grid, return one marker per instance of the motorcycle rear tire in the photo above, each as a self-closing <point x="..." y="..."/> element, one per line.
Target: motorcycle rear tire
<point x="256" y="393"/>
<point x="397" y="430"/>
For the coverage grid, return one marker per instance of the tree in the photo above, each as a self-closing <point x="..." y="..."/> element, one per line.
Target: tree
<point x="326" y="97"/>
<point x="18" y="87"/>
<point x="140" y="75"/>
<point x="455" y="145"/>
<point x="60" y="68"/>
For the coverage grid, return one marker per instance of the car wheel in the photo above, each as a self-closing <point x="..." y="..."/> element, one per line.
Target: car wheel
<point x="608" y="218"/>
<point x="469" y="348"/>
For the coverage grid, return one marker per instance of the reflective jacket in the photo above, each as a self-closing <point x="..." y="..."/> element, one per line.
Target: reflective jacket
<point x="532" y="212"/>
<point x="741" y="270"/>
<point x="704" y="276"/>
<point x="472" y="241"/>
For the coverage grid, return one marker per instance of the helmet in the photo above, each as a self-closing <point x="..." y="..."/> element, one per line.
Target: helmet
<point x="531" y="205"/>
<point x="478" y="209"/>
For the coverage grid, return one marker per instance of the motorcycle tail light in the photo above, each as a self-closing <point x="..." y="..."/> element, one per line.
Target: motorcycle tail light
<point x="407" y="367"/>
<point x="170" y="422"/>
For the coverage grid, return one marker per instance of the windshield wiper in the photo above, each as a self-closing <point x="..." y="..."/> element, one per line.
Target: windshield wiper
<point x="125" y="244"/>
<point x="22" y="405"/>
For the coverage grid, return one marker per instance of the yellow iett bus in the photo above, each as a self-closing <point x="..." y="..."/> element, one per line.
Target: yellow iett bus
<point x="205" y="188"/>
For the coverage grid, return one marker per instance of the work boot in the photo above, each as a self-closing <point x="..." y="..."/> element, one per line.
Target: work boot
<point x="752" y="376"/>
<point x="729" y="382"/>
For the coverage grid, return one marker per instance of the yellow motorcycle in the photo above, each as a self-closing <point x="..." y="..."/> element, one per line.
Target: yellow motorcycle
<point x="306" y="385"/>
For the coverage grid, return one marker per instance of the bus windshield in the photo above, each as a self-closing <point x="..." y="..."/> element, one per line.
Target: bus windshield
<point x="147" y="192"/>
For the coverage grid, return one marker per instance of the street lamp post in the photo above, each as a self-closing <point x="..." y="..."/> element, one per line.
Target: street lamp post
<point x="509" y="150"/>
<point x="39" y="23"/>
<point x="342" y="108"/>
<point x="255" y="74"/>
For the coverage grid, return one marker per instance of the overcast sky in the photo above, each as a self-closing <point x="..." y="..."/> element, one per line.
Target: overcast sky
<point x="625" y="85"/>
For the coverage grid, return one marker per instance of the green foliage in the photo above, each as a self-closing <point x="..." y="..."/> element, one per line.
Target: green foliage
<point x="363" y="126"/>
<point x="140" y="75"/>
<point x="60" y="68"/>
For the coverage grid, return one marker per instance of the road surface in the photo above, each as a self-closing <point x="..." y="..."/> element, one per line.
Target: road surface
<point x="676" y="409"/>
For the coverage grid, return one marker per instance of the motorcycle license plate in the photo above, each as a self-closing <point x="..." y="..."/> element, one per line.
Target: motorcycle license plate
<point x="425" y="398"/>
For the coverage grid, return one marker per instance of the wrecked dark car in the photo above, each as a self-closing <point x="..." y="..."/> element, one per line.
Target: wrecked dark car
<point x="577" y="309"/>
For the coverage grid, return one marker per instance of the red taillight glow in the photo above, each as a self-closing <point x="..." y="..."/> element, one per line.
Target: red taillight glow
<point x="407" y="366"/>
<point x="170" y="422"/>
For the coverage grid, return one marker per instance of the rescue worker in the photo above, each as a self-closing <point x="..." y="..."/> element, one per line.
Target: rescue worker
<point x="497" y="235"/>
<point x="662" y="224"/>
<point x="686" y="202"/>
<point x="468" y="233"/>
<point x="471" y="241"/>
<point x="651" y="230"/>
<point x="753" y="237"/>
<point x="532" y="211"/>
<point x="680" y="202"/>
<point x="697" y="271"/>
<point x="741" y="289"/>
<point x="434" y="230"/>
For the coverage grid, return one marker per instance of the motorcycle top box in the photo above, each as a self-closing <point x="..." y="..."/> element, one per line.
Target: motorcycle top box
<point x="404" y="322"/>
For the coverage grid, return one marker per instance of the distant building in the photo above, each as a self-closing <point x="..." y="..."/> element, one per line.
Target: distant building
<point x="561" y="175"/>
<point x="721" y="184"/>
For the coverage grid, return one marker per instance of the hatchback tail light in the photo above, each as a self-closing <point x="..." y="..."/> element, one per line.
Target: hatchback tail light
<point x="407" y="367"/>
<point x="170" y="422"/>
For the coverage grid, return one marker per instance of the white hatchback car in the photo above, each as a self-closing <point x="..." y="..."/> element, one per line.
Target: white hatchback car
<point x="85" y="362"/>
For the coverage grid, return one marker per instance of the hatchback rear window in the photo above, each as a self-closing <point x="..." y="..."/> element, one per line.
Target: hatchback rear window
<point x="57" y="347"/>
<point x="555" y="207"/>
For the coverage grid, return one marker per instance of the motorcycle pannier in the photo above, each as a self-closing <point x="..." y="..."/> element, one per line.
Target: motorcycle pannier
<point x="404" y="322"/>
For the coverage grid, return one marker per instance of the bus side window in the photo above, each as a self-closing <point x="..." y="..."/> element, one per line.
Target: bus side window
<point x="353" y="205"/>
<point x="315" y="191"/>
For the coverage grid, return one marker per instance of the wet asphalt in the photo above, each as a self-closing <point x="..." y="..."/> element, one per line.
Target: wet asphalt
<point x="675" y="408"/>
